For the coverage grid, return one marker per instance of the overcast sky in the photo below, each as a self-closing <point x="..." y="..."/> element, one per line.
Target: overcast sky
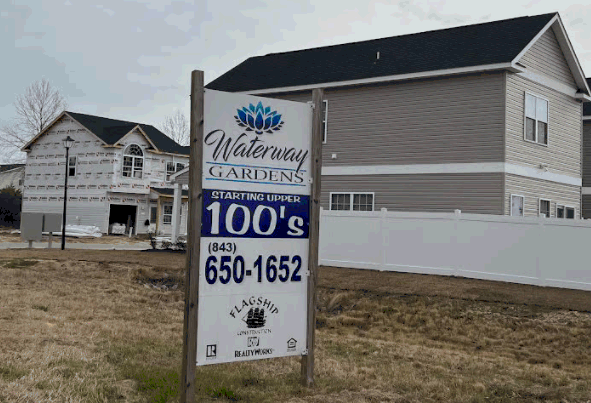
<point x="131" y="60"/>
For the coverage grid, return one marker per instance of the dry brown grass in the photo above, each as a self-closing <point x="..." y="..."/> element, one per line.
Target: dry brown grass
<point x="80" y="326"/>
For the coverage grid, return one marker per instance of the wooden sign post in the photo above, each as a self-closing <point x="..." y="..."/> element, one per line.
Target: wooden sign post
<point x="257" y="230"/>
<point x="193" y="240"/>
<point x="308" y="360"/>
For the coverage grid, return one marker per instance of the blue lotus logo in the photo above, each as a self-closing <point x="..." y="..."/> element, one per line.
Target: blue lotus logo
<point x="259" y="119"/>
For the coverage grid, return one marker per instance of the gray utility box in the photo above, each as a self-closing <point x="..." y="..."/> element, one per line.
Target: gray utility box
<point x="34" y="224"/>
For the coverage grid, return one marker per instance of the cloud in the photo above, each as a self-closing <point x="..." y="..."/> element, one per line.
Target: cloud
<point x="131" y="59"/>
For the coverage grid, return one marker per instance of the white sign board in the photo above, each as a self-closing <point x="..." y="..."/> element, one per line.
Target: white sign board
<point x="255" y="226"/>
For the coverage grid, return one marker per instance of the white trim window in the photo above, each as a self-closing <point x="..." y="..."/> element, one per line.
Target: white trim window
<point x="559" y="211"/>
<point x="324" y="121"/>
<point x="544" y="208"/>
<point x="167" y="213"/>
<point x="563" y="211"/>
<point x="72" y="161"/>
<point x="133" y="161"/>
<point x="172" y="168"/>
<point x="345" y="201"/>
<point x="536" y="119"/>
<point x="517" y="202"/>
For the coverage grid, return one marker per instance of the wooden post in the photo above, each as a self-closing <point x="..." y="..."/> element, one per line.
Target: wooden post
<point x="177" y="202"/>
<point x="158" y="213"/>
<point x="50" y="240"/>
<point x="65" y="200"/>
<point x="128" y="226"/>
<point x="308" y="360"/>
<point x="193" y="240"/>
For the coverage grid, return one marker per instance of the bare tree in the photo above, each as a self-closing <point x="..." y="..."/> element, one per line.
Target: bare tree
<point x="35" y="109"/>
<point x="176" y="126"/>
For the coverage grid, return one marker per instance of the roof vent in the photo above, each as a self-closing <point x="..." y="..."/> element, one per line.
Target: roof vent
<point x="378" y="56"/>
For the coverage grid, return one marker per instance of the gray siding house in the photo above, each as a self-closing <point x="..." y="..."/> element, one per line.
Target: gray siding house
<point x="483" y="118"/>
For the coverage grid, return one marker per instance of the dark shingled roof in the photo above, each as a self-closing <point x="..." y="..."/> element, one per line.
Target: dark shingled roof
<point x="111" y="131"/>
<point x="587" y="105"/>
<point x="8" y="167"/>
<point x="467" y="46"/>
<point x="169" y="192"/>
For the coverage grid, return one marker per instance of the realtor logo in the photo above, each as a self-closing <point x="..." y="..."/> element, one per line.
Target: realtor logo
<point x="211" y="351"/>
<point x="291" y="344"/>
<point x="253" y="342"/>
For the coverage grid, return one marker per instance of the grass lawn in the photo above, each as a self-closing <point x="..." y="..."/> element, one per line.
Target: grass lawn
<point x="88" y="326"/>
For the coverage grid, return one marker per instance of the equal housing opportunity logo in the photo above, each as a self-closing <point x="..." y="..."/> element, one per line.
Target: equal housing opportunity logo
<point x="259" y="119"/>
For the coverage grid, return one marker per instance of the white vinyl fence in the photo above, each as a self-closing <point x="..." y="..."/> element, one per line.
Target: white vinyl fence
<point x="539" y="251"/>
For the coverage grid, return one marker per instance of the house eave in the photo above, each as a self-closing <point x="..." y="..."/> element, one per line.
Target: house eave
<point x="583" y="97"/>
<point x="385" y="79"/>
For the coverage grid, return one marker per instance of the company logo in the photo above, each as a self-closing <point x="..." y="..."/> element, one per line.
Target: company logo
<point x="291" y="344"/>
<point x="253" y="342"/>
<point x="255" y="318"/>
<point x="255" y="352"/>
<point x="258" y="119"/>
<point x="211" y="351"/>
<point x="254" y="312"/>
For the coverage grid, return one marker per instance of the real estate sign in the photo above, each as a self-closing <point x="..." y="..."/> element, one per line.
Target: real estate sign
<point x="255" y="228"/>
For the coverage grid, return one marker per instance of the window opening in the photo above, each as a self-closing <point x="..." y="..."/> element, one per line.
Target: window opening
<point x="133" y="161"/>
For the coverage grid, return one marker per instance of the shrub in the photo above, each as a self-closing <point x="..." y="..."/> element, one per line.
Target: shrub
<point x="10" y="207"/>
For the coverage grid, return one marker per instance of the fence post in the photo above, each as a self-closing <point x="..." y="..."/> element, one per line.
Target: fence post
<point x="457" y="218"/>
<point x="541" y="281"/>
<point x="320" y="235"/>
<point x="384" y="234"/>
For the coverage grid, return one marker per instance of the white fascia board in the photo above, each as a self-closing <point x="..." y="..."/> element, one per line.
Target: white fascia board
<point x="167" y="153"/>
<point x="489" y="167"/>
<point x="417" y="169"/>
<point x="142" y="132"/>
<point x="553" y="84"/>
<point x="536" y="173"/>
<point x="535" y="39"/>
<point x="556" y="24"/>
<point x="398" y="77"/>
<point x="570" y="55"/>
<point x="24" y="148"/>
<point x="583" y="97"/>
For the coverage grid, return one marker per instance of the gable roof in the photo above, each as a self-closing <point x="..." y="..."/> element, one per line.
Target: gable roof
<point x="111" y="131"/>
<point x="494" y="45"/>
<point x="8" y="167"/>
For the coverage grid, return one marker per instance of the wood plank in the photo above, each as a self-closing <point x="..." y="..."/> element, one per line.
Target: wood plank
<point x="193" y="241"/>
<point x="307" y="368"/>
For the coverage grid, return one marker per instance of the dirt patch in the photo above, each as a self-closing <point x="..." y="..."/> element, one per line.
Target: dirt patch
<point x="6" y="235"/>
<point x="82" y="326"/>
